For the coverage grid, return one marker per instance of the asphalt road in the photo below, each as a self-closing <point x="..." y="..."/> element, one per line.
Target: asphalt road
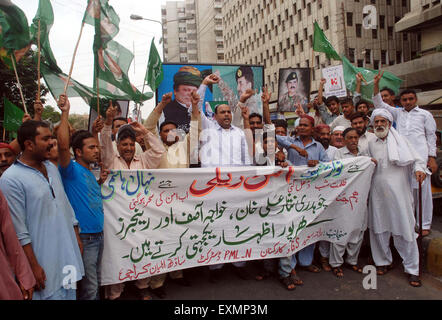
<point x="321" y="286"/>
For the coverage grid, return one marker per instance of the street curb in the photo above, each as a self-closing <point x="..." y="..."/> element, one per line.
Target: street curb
<point x="432" y="247"/>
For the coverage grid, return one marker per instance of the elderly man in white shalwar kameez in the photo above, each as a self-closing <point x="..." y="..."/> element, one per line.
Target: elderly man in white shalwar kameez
<point x="391" y="197"/>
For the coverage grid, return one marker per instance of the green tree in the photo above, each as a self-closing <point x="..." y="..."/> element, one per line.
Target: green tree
<point x="50" y="114"/>
<point x="27" y="73"/>
<point x="79" y="121"/>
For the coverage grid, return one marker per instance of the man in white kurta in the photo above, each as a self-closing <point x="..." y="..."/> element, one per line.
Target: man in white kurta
<point x="354" y="241"/>
<point x="391" y="199"/>
<point x="419" y="127"/>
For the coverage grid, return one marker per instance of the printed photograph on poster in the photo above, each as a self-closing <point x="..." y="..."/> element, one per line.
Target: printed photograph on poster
<point x="122" y="111"/>
<point x="293" y="88"/>
<point x="182" y="79"/>
<point x="335" y="83"/>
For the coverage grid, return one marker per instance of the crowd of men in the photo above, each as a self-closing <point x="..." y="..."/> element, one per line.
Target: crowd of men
<point x="51" y="212"/>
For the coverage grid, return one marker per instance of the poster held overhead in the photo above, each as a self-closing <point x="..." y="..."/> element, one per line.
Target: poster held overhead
<point x="335" y="82"/>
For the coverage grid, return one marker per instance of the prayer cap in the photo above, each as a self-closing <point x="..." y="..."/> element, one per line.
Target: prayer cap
<point x="338" y="128"/>
<point x="381" y="113"/>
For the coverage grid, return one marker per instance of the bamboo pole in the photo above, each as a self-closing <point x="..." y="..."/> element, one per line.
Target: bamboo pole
<point x="18" y="83"/>
<point x="39" y="59"/>
<point x="73" y="59"/>
<point x="98" y="96"/>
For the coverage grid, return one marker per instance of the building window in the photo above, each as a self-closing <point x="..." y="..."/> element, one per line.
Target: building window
<point x="381" y="21"/>
<point x="374" y="34"/>
<point x="367" y="56"/>
<point x="360" y="63"/>
<point x="351" y="55"/>
<point x="349" y="19"/>
<point x="326" y="26"/>
<point x="358" y="30"/>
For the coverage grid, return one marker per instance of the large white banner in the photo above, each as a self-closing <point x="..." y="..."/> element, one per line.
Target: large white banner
<point x="335" y="83"/>
<point x="158" y="221"/>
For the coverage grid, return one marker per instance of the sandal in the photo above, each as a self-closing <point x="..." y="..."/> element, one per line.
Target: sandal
<point x="380" y="271"/>
<point x="325" y="265"/>
<point x="262" y="275"/>
<point x="414" y="281"/>
<point x="296" y="279"/>
<point x="288" y="283"/>
<point x="337" y="271"/>
<point x="144" y="294"/>
<point x="355" y="268"/>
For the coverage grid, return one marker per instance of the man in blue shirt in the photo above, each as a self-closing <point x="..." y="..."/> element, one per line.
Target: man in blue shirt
<point x="84" y="194"/>
<point x="42" y="215"/>
<point x="302" y="150"/>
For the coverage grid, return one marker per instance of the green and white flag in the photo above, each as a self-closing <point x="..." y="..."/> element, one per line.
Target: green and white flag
<point x="13" y="116"/>
<point x="111" y="60"/>
<point x="14" y="32"/>
<point x="154" y="73"/>
<point x="56" y="81"/>
<point x="45" y="15"/>
<point x="388" y="80"/>
<point x="321" y="44"/>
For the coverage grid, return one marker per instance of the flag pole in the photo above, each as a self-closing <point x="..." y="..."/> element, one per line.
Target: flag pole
<point x="73" y="59"/>
<point x="38" y="65"/>
<point x="18" y="83"/>
<point x="4" y="133"/>
<point x="98" y="97"/>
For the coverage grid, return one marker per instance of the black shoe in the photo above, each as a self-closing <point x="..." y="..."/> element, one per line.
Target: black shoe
<point x="242" y="273"/>
<point x="182" y="282"/>
<point x="214" y="275"/>
<point x="159" y="292"/>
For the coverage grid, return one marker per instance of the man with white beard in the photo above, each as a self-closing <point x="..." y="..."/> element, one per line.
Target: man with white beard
<point x="419" y="127"/>
<point x="391" y="199"/>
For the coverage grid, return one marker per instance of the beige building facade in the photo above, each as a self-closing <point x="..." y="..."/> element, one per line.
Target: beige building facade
<point x="197" y="40"/>
<point x="279" y="34"/>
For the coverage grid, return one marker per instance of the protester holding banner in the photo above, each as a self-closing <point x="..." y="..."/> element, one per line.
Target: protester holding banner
<point x="393" y="215"/>
<point x="88" y="207"/>
<point x="223" y="145"/>
<point x="177" y="155"/>
<point x="354" y="241"/>
<point x="42" y="215"/>
<point x="419" y="127"/>
<point x="127" y="159"/>
<point x="303" y="150"/>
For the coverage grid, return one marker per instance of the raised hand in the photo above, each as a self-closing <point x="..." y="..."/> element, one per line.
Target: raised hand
<point x="98" y="125"/>
<point x="63" y="103"/>
<point x="322" y="82"/>
<point x="266" y="95"/>
<point x="211" y="79"/>
<point x="166" y="98"/>
<point x="299" y="110"/>
<point x="26" y="117"/>
<point x="378" y="77"/>
<point x="246" y="95"/>
<point x="139" y="128"/>
<point x="245" y="112"/>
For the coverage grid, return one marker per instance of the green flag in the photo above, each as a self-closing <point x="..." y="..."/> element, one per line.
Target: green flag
<point x="45" y="15"/>
<point x="14" y="32"/>
<point x="13" y="116"/>
<point x="111" y="60"/>
<point x="154" y="73"/>
<point x="388" y="80"/>
<point x="56" y="81"/>
<point x="321" y="44"/>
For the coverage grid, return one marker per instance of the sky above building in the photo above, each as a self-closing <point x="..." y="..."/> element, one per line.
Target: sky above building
<point x="135" y="35"/>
